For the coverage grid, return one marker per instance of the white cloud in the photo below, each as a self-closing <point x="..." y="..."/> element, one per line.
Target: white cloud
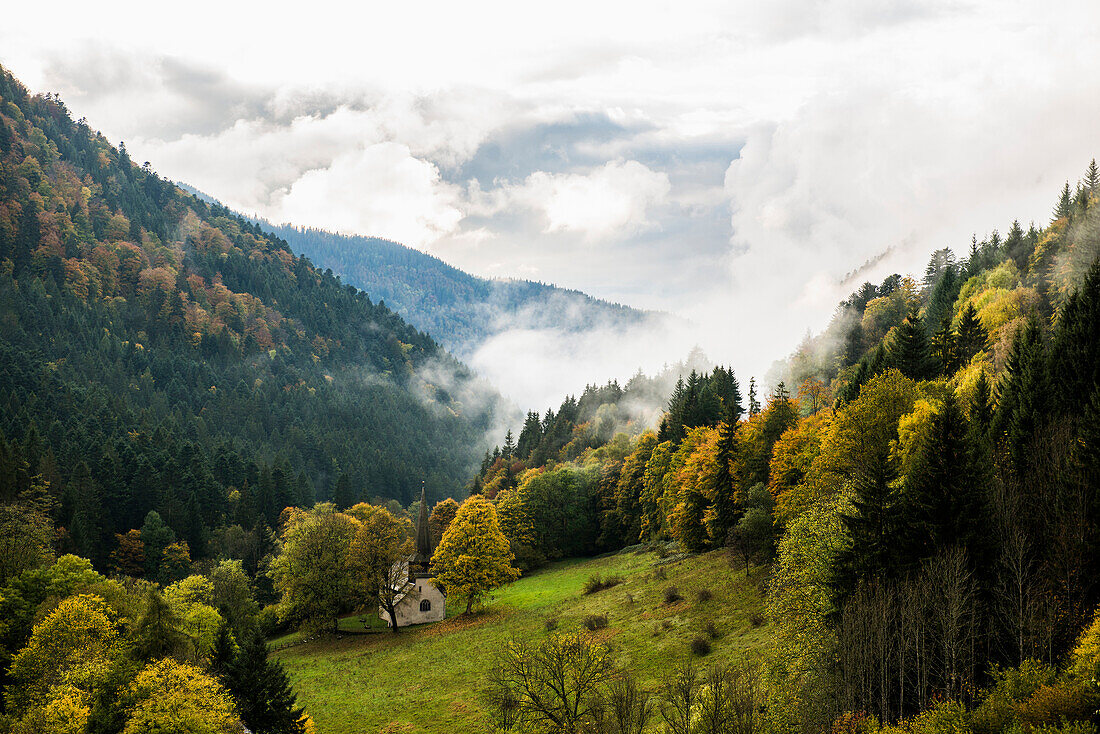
<point x="381" y="190"/>
<point x="867" y="125"/>
<point x="608" y="202"/>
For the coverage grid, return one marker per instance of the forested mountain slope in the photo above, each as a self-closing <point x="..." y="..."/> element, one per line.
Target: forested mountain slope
<point x="927" y="498"/>
<point x="460" y="310"/>
<point x="160" y="353"/>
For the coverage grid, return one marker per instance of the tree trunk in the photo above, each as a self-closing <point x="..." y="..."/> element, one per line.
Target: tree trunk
<point x="469" y="604"/>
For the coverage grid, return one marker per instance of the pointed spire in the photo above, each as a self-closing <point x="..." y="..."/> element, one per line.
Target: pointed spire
<point x="423" y="536"/>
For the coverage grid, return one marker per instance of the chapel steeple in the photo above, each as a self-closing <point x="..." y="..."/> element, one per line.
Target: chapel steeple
<point x="424" y="548"/>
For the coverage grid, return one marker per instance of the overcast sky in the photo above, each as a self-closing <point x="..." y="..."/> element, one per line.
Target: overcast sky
<point x="732" y="162"/>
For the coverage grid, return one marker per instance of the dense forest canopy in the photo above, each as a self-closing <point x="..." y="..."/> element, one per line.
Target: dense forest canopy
<point x="158" y="353"/>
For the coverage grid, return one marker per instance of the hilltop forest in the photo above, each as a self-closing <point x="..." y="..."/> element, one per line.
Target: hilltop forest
<point x="162" y="355"/>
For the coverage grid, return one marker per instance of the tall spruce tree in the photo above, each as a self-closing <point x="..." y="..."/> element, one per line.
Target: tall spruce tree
<point x="944" y="348"/>
<point x="909" y="350"/>
<point x="260" y="685"/>
<point x="1023" y="394"/>
<point x="876" y="528"/>
<point x="946" y="490"/>
<point x="725" y="510"/>
<point x="972" y="336"/>
<point x="1064" y="207"/>
<point x="1075" y="347"/>
<point x="754" y="403"/>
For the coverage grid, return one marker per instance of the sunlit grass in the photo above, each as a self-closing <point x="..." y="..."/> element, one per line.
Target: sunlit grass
<point x="429" y="678"/>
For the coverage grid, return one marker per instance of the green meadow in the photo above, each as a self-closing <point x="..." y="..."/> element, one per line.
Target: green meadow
<point x="429" y="678"/>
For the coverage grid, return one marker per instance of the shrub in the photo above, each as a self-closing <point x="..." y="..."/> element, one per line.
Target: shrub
<point x="267" y="620"/>
<point x="593" y="584"/>
<point x="700" y="645"/>
<point x="998" y="708"/>
<point x="855" y="722"/>
<point x="672" y="595"/>
<point x="756" y="619"/>
<point x="551" y="624"/>
<point x="629" y="598"/>
<point x="704" y="595"/>
<point x="596" y="583"/>
<point x="712" y="630"/>
<point x="595" y="622"/>
<point x="660" y="574"/>
<point x="1075" y="727"/>
<point x="1066" y="702"/>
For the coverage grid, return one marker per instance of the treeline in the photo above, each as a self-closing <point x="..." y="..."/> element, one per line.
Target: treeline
<point x="462" y="311"/>
<point x="927" y="501"/>
<point x="159" y="354"/>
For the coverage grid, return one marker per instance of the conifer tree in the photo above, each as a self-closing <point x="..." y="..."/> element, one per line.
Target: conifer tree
<point x="875" y="526"/>
<point x="943" y="347"/>
<point x="909" y="350"/>
<point x="262" y="690"/>
<point x="981" y="405"/>
<point x="1075" y="346"/>
<point x="342" y="494"/>
<point x="509" y="445"/>
<point x="1065" y="204"/>
<point x="754" y="404"/>
<point x="1023" y="393"/>
<point x="724" y="512"/>
<point x="529" y="436"/>
<point x="1092" y="178"/>
<point x="946" y="489"/>
<point x="972" y="336"/>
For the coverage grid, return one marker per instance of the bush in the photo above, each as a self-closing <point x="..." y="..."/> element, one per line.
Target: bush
<point x="595" y="622"/>
<point x="551" y="624"/>
<point x="267" y="621"/>
<point x="672" y="595"/>
<point x="704" y="595"/>
<point x="660" y="574"/>
<point x="1065" y="702"/>
<point x="712" y="630"/>
<point x="596" y="583"/>
<point x="756" y="619"/>
<point x="855" y="722"/>
<point x="700" y="645"/>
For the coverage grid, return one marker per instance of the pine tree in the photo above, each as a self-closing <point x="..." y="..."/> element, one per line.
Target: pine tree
<point x="342" y="494"/>
<point x="1092" y="178"/>
<point x="529" y="436"/>
<point x="943" y="347"/>
<point x="754" y="404"/>
<point x="1065" y="204"/>
<point x="946" y="490"/>
<point x="725" y="511"/>
<point x="509" y="445"/>
<point x="875" y="526"/>
<point x="981" y="405"/>
<point x="262" y="689"/>
<point x="972" y="336"/>
<point x="909" y="351"/>
<point x="1023" y="394"/>
<point x="1075" y="346"/>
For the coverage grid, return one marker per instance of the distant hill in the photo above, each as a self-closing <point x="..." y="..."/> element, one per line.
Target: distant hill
<point x="158" y="352"/>
<point x="460" y="310"/>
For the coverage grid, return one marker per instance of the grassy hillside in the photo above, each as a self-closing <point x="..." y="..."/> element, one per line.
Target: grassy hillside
<point x="428" y="679"/>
